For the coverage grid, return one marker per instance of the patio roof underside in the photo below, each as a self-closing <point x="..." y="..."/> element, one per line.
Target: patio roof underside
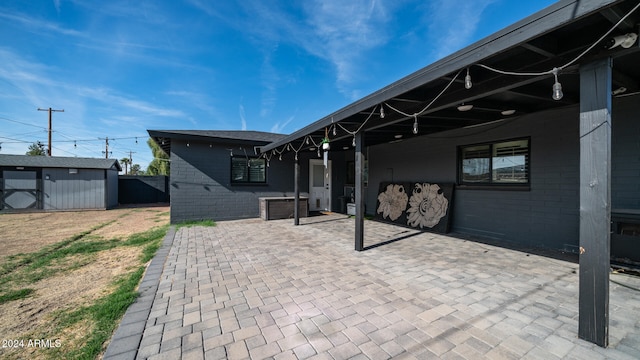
<point x="548" y="39"/>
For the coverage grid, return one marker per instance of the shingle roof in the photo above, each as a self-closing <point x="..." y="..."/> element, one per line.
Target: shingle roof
<point x="221" y="134"/>
<point x="163" y="137"/>
<point x="58" y="162"/>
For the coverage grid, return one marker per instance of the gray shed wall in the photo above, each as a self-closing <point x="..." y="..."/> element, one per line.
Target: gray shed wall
<point x="84" y="190"/>
<point x="200" y="182"/>
<point x="547" y="216"/>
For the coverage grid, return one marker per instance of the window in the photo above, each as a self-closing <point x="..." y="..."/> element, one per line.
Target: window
<point x="248" y="170"/>
<point x="499" y="163"/>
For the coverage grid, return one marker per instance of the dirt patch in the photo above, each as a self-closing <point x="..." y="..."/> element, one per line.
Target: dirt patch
<point x="25" y="233"/>
<point x="80" y="285"/>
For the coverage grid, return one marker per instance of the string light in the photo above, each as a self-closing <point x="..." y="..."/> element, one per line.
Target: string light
<point x="296" y="157"/>
<point x="557" y="87"/>
<point x="353" y="143"/>
<point x="280" y="157"/>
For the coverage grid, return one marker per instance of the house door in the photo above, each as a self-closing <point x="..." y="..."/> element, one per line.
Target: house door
<point x="319" y="185"/>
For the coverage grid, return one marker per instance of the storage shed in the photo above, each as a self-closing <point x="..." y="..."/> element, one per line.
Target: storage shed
<point x="57" y="183"/>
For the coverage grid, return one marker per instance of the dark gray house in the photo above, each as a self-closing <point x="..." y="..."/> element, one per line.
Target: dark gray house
<point x="219" y="175"/>
<point x="57" y="183"/>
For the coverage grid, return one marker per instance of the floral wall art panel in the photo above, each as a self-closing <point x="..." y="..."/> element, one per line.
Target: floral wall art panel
<point x="419" y="205"/>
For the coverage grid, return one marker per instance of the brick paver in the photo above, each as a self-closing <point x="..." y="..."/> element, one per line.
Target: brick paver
<point x="257" y="289"/>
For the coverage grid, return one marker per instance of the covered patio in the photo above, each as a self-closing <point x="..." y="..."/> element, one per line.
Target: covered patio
<point x="574" y="54"/>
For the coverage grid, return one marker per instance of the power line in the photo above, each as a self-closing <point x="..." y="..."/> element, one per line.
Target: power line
<point x="22" y="123"/>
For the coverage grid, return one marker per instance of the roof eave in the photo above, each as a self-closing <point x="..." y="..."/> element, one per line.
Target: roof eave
<point x="543" y="21"/>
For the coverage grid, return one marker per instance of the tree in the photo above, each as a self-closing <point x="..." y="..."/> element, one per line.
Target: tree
<point x="135" y="169"/>
<point x="126" y="161"/>
<point x="36" y="149"/>
<point x="160" y="163"/>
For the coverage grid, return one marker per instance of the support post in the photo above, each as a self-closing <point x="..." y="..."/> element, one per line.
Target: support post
<point x="595" y="200"/>
<point x="359" y="198"/>
<point x="296" y="191"/>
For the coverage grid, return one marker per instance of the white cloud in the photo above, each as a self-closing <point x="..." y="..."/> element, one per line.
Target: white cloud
<point x="340" y="32"/>
<point x="279" y="126"/>
<point x="452" y="23"/>
<point x="40" y="26"/>
<point x="269" y="78"/>
<point x="125" y="104"/>
<point x="242" y="118"/>
<point x="198" y="100"/>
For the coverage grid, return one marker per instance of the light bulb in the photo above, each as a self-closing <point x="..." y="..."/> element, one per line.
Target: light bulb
<point x="296" y="157"/>
<point x="557" y="88"/>
<point x="334" y="131"/>
<point x="307" y="140"/>
<point x="318" y="152"/>
<point x="381" y="112"/>
<point x="557" y="91"/>
<point x="415" y="126"/>
<point x="280" y="157"/>
<point x="267" y="163"/>
<point x="353" y="143"/>
<point x="467" y="81"/>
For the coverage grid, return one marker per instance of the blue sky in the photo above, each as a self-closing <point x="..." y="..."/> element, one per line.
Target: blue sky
<point x="118" y="68"/>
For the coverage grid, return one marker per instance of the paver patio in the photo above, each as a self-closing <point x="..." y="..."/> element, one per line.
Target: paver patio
<point x="257" y="289"/>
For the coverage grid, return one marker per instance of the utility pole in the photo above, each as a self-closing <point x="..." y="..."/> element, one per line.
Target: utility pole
<point x="50" y="110"/>
<point x="106" y="147"/>
<point x="130" y="156"/>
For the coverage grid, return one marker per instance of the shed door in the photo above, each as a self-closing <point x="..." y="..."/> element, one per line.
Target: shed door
<point x="319" y="185"/>
<point x="20" y="190"/>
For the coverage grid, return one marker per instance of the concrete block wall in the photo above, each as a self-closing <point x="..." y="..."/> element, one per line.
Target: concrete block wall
<point x="545" y="216"/>
<point x="200" y="183"/>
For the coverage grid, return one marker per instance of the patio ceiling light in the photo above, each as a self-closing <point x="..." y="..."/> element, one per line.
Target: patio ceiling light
<point x="618" y="91"/>
<point x="625" y="41"/>
<point x="464" y="107"/>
